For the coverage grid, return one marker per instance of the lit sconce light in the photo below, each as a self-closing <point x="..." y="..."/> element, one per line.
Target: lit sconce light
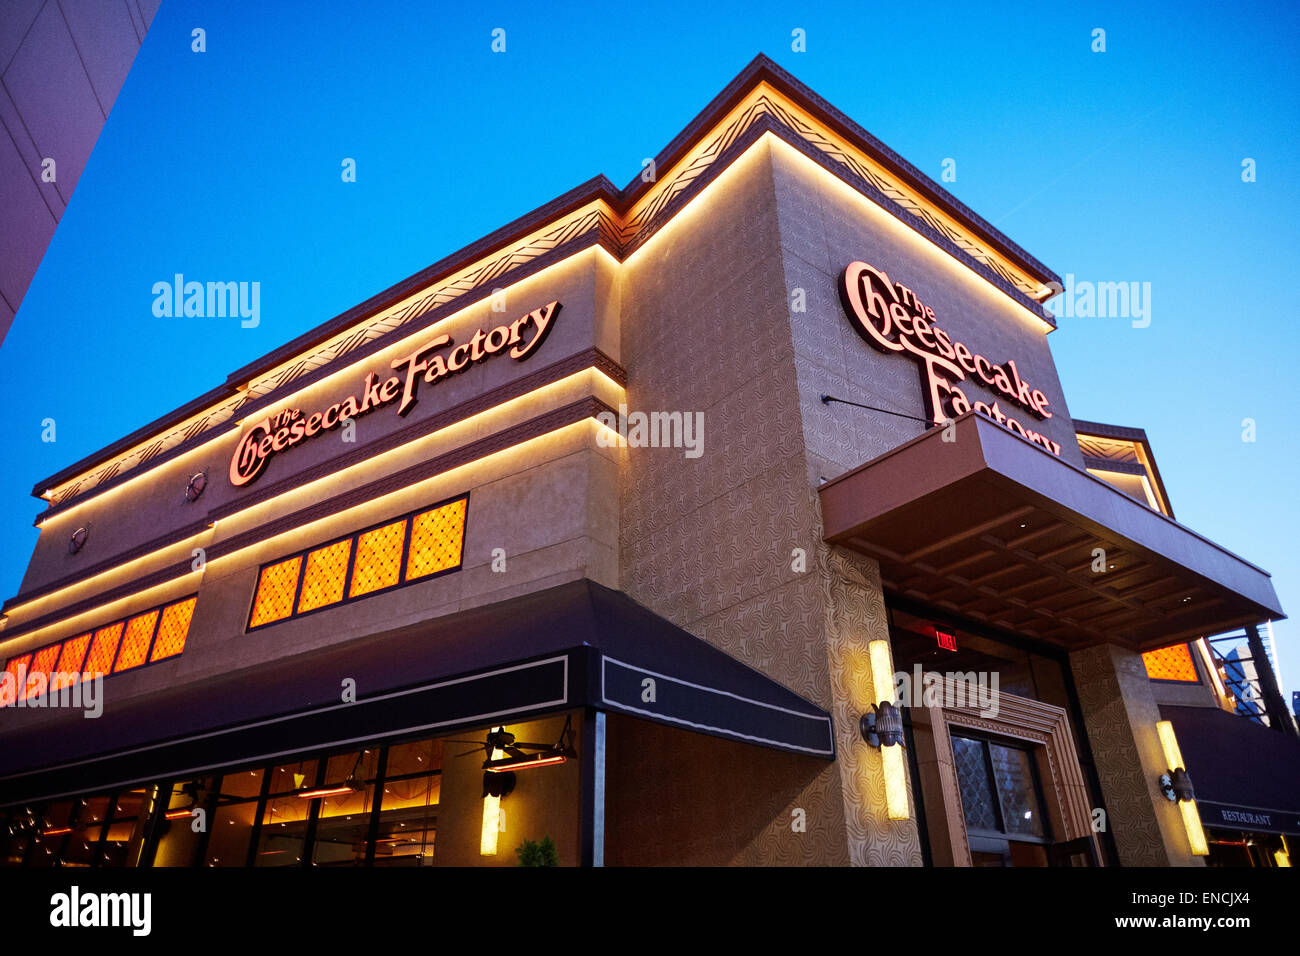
<point x="1177" y="787"/>
<point x="495" y="786"/>
<point x="1281" y="858"/>
<point x="883" y="728"/>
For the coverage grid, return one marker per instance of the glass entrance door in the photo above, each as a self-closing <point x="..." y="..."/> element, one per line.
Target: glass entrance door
<point x="1001" y="799"/>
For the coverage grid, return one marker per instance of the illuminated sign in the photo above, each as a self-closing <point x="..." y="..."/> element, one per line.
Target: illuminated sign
<point x="891" y="318"/>
<point x="437" y="359"/>
<point x="945" y="640"/>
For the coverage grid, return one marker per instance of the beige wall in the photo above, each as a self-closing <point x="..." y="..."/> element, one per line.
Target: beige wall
<point x="550" y="504"/>
<point x="545" y="802"/>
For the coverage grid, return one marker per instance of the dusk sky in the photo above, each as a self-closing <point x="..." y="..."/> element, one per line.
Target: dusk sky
<point x="1122" y="165"/>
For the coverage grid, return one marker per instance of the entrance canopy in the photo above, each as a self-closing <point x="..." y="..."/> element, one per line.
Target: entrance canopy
<point x="993" y="527"/>
<point x="575" y="645"/>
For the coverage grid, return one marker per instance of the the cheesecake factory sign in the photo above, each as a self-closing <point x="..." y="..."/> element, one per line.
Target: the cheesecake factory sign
<point x="437" y="359"/>
<point x="891" y="318"/>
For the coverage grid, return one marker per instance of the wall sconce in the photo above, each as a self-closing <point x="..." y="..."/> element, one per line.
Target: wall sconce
<point x="1177" y="787"/>
<point x="493" y="791"/>
<point x="883" y="729"/>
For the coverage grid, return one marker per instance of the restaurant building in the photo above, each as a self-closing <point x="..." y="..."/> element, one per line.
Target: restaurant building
<point x="733" y="517"/>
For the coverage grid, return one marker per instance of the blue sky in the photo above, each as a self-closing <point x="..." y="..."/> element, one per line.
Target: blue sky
<point x="1115" y="166"/>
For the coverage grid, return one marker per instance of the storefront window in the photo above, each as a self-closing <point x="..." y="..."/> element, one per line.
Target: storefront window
<point x="287" y="815"/>
<point x="343" y="824"/>
<point x="408" y="818"/>
<point x="231" y="826"/>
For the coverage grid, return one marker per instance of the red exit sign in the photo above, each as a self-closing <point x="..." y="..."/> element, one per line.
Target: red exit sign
<point x="946" y="640"/>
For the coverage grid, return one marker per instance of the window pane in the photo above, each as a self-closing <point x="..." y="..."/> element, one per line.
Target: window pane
<point x="68" y="669"/>
<point x="243" y="783"/>
<point x="379" y="558"/>
<point x="408" y="822"/>
<point x="178" y="844"/>
<point x="175" y="625"/>
<point x="42" y="662"/>
<point x="343" y="824"/>
<point x="102" y="651"/>
<point x="1014" y="776"/>
<point x="16" y="668"/>
<point x="436" y="540"/>
<point x="82" y="843"/>
<point x="126" y="830"/>
<point x="1171" y="663"/>
<point x="275" y="591"/>
<point x="973" y="782"/>
<point x="135" y="641"/>
<point x="232" y="828"/>
<point x="284" y="831"/>
<point x="326" y="574"/>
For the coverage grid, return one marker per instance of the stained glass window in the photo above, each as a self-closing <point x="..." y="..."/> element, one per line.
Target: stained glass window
<point x="135" y="641"/>
<point x="437" y="538"/>
<point x="325" y="577"/>
<point x="172" y="630"/>
<point x="379" y="558"/>
<point x="1171" y="663"/>
<point x="102" y="651"/>
<point x="275" y="591"/>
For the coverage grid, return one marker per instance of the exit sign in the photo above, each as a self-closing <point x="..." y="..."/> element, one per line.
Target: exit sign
<point x="945" y="639"/>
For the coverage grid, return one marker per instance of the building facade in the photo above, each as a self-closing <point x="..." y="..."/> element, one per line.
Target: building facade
<point x="734" y="517"/>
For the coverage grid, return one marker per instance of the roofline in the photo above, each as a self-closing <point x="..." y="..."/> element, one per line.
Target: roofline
<point x="762" y="69"/>
<point x="1128" y="433"/>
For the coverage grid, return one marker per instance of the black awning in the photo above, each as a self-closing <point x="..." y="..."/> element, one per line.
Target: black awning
<point x="576" y="645"/>
<point x="1246" y="776"/>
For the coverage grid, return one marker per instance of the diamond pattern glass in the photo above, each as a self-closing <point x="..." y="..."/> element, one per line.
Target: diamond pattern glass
<point x="69" y="667"/>
<point x="325" y="577"/>
<point x="173" y="628"/>
<point x="42" y="662"/>
<point x="135" y="641"/>
<point x="379" y="559"/>
<point x="102" y="651"/>
<point x="973" y="782"/>
<point x="437" y="538"/>
<point x="1171" y="663"/>
<point x="275" y="591"/>
<point x="1015" y="782"/>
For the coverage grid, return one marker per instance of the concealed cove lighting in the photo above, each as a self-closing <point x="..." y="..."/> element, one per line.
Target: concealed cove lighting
<point x="883" y="729"/>
<point x="1177" y="787"/>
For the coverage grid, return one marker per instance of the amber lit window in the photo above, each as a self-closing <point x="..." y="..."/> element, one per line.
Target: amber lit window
<point x="172" y="630"/>
<point x="103" y="650"/>
<point x="437" y="538"/>
<point x="70" y="658"/>
<point x="17" y="669"/>
<point x="275" y="592"/>
<point x="42" y="662"/>
<point x="379" y="559"/>
<point x="1171" y="663"/>
<point x="135" y="641"/>
<point x="325" y="577"/>
<point x="109" y="649"/>
<point x="403" y="551"/>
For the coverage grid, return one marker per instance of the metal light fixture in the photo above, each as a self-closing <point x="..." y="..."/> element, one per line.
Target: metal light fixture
<point x="883" y="729"/>
<point x="1177" y="788"/>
